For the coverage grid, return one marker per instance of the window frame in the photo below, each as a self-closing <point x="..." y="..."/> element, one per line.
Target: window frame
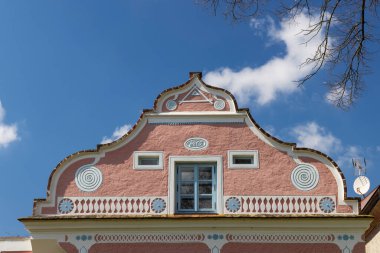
<point x="196" y="181"/>
<point x="139" y="154"/>
<point x="243" y="153"/>
<point x="172" y="196"/>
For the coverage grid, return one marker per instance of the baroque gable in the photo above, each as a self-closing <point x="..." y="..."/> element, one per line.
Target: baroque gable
<point x="197" y="174"/>
<point x="196" y="129"/>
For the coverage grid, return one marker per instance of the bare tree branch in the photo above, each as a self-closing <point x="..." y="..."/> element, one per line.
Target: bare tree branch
<point x="343" y="25"/>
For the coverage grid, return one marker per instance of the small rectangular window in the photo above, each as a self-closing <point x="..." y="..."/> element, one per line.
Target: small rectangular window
<point x="239" y="159"/>
<point x="243" y="159"/>
<point x="147" y="160"/>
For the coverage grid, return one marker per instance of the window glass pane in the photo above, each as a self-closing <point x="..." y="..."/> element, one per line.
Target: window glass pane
<point x="148" y="160"/>
<point x="205" y="188"/>
<point x="187" y="174"/>
<point x="205" y="203"/>
<point x="195" y="186"/>
<point x="243" y="159"/>
<point x="205" y="173"/>
<point x="187" y="188"/>
<point x="187" y="203"/>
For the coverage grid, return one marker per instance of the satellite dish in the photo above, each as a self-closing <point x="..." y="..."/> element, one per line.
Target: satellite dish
<point x="361" y="185"/>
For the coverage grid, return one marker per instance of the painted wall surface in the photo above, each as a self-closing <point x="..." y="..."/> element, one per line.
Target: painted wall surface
<point x="209" y="114"/>
<point x="373" y="240"/>
<point x="120" y="179"/>
<point x="19" y="244"/>
<point x="273" y="177"/>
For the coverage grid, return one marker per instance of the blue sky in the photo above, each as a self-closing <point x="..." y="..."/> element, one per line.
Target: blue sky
<point x="76" y="73"/>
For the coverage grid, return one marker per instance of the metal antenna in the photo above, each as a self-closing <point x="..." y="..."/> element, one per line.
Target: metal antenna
<point x="359" y="169"/>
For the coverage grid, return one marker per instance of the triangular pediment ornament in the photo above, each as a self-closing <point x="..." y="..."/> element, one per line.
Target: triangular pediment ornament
<point x="195" y="92"/>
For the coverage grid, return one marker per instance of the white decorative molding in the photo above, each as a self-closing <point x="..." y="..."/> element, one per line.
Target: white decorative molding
<point x="114" y="205"/>
<point x="195" y="91"/>
<point x="174" y="123"/>
<point x="204" y="117"/>
<point x="305" y="177"/>
<point x="213" y="232"/>
<point x="152" y="154"/>
<point x="196" y="83"/>
<point x="232" y="153"/>
<point x="195" y="143"/>
<point x="183" y="118"/>
<point x="278" y="205"/>
<point x="88" y="178"/>
<point x="216" y="239"/>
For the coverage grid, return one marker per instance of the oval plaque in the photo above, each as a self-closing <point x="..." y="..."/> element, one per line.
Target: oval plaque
<point x="196" y="143"/>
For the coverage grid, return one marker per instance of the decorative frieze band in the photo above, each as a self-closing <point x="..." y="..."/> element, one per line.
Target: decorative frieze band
<point x="214" y="240"/>
<point x="143" y="237"/>
<point x="280" y="238"/>
<point x="112" y="205"/>
<point x="232" y="205"/>
<point x="279" y="204"/>
<point x="210" y="238"/>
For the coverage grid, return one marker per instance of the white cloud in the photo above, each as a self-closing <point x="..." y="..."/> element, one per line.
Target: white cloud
<point x="119" y="132"/>
<point x="8" y="133"/>
<point x="312" y="135"/>
<point x="261" y="25"/>
<point x="345" y="158"/>
<point x="264" y="83"/>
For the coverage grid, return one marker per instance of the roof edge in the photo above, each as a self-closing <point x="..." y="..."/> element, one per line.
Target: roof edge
<point x="192" y="75"/>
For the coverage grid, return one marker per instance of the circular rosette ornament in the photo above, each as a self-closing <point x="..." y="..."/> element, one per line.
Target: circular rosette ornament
<point x="65" y="206"/>
<point x="158" y="205"/>
<point x="233" y="204"/>
<point x="219" y="104"/>
<point x="171" y="105"/>
<point x="327" y="205"/>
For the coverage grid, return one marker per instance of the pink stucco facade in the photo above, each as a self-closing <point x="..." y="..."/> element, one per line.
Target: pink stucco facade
<point x="107" y="202"/>
<point x="271" y="178"/>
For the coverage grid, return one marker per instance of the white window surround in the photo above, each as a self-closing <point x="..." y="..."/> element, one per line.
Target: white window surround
<point x="137" y="154"/>
<point x="192" y="159"/>
<point x="233" y="153"/>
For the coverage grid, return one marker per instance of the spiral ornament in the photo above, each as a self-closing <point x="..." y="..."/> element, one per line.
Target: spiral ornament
<point x="305" y="177"/>
<point x="88" y="178"/>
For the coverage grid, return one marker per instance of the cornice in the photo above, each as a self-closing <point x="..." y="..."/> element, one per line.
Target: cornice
<point x="101" y="149"/>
